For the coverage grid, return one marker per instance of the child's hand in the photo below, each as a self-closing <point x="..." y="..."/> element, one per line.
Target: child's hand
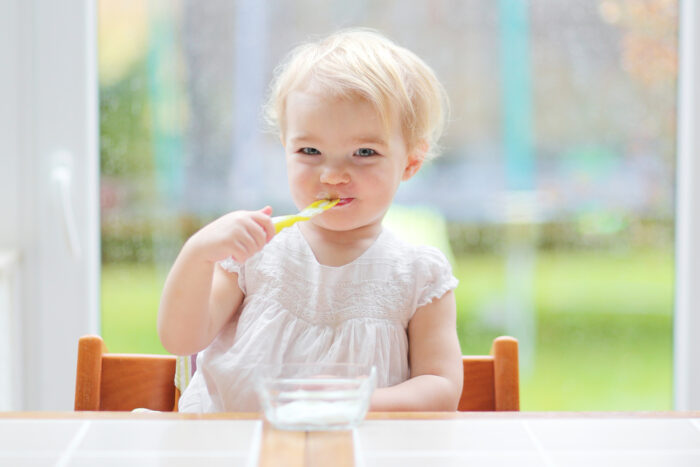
<point x="239" y="234"/>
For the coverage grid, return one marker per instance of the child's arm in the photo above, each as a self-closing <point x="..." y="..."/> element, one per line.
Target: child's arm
<point x="199" y="297"/>
<point x="435" y="360"/>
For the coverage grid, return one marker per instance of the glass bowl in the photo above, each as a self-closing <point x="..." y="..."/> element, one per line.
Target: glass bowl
<point x="311" y="396"/>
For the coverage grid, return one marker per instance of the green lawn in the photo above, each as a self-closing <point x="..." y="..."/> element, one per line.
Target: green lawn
<point x="603" y="324"/>
<point x="603" y="327"/>
<point x="130" y="295"/>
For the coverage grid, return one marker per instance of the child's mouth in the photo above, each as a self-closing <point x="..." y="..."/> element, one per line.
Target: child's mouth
<point x="344" y="201"/>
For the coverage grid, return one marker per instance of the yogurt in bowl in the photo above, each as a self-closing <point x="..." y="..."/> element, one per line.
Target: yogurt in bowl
<point x="311" y="396"/>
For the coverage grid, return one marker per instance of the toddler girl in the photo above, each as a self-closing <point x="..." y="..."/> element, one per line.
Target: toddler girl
<point x="356" y="115"/>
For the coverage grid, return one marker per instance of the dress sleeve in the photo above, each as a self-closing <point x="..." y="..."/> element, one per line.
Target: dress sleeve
<point x="231" y="265"/>
<point x="434" y="276"/>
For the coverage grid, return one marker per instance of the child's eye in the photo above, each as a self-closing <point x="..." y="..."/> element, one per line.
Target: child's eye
<point x="365" y="152"/>
<point x="310" y="151"/>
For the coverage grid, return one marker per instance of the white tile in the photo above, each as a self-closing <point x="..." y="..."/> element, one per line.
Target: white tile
<point x="627" y="458"/>
<point x="28" y="460"/>
<point x="433" y="435"/>
<point x="225" y="436"/>
<point x="615" y="434"/>
<point x="443" y="459"/>
<point x="154" y="459"/>
<point x="696" y="422"/>
<point x="42" y="436"/>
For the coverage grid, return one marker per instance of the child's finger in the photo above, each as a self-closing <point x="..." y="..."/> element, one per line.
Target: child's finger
<point x="247" y="245"/>
<point x="259" y="235"/>
<point x="269" y="229"/>
<point x="266" y="222"/>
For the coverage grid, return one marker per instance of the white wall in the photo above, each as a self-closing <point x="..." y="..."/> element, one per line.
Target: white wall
<point x="11" y="374"/>
<point x="48" y="91"/>
<point x="9" y="134"/>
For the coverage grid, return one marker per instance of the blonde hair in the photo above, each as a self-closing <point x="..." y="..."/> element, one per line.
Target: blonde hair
<point x="362" y="62"/>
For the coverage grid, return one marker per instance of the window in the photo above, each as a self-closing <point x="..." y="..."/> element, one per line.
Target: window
<point x="554" y="196"/>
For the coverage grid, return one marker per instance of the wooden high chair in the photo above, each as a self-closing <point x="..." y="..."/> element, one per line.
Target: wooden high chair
<point x="492" y="382"/>
<point x="123" y="382"/>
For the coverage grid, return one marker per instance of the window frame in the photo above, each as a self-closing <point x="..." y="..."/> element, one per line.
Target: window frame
<point x="49" y="138"/>
<point x="686" y="344"/>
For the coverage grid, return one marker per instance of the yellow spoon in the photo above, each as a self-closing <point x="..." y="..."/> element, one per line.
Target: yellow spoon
<point x="313" y="209"/>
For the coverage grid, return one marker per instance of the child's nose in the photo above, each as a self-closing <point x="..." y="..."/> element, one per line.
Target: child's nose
<point x="334" y="175"/>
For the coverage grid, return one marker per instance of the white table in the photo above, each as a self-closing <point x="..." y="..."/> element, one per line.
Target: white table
<point x="405" y="439"/>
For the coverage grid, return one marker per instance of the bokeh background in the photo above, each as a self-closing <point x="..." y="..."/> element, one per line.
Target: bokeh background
<point x="553" y="197"/>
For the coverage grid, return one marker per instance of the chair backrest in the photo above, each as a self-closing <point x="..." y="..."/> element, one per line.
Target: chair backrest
<point x="491" y="382"/>
<point x="123" y="382"/>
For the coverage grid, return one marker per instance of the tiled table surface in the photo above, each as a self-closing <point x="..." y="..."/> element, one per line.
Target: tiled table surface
<point x="393" y="440"/>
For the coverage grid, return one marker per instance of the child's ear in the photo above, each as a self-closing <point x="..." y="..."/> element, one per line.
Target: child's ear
<point x="415" y="160"/>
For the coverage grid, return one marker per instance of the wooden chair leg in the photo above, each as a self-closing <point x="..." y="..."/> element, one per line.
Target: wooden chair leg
<point x="506" y="375"/>
<point x="88" y="373"/>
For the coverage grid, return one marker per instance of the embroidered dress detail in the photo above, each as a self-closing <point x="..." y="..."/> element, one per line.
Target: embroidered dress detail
<point x="297" y="310"/>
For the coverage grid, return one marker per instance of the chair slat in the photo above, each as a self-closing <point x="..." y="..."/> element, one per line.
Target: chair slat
<point x="477" y="391"/>
<point x="131" y="381"/>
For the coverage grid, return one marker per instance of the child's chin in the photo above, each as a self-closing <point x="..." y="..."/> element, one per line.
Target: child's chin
<point x="337" y="225"/>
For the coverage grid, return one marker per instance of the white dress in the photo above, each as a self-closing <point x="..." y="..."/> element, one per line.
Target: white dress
<point x="297" y="310"/>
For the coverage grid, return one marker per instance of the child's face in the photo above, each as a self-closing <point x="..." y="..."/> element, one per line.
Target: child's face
<point x="339" y="148"/>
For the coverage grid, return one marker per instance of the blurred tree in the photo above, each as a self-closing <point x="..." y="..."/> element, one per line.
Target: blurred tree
<point x="125" y="125"/>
